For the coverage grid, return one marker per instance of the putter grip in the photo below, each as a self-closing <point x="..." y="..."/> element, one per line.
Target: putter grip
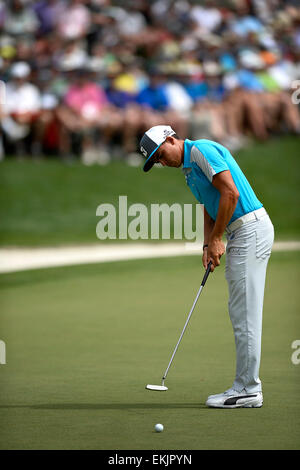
<point x="206" y="274"/>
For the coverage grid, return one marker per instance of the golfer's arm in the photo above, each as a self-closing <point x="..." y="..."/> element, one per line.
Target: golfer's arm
<point x="208" y="226"/>
<point x="228" y="200"/>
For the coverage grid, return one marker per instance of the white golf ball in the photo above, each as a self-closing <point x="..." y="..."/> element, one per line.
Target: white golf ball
<point x="158" y="428"/>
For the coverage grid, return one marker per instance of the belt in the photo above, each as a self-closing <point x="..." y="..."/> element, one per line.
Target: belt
<point x="254" y="215"/>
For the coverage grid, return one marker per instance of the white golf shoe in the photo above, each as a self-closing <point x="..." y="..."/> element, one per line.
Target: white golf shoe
<point x="233" y="399"/>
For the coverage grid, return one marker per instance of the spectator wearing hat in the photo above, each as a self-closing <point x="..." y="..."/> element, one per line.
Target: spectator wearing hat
<point x="48" y="130"/>
<point x="87" y="112"/>
<point x="157" y="102"/>
<point x="19" y="19"/>
<point x="268" y="107"/>
<point x="212" y="114"/>
<point x="22" y="106"/>
<point x="122" y="92"/>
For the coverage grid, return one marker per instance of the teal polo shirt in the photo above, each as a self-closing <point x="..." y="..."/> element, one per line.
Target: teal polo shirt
<point x="202" y="160"/>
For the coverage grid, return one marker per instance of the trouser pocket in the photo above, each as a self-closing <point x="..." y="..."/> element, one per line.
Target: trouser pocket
<point x="264" y="238"/>
<point x="237" y="253"/>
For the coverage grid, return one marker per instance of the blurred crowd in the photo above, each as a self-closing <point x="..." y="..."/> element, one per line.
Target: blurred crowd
<point x="85" y="79"/>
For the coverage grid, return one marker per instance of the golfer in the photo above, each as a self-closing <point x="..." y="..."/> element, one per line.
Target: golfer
<point x="231" y="206"/>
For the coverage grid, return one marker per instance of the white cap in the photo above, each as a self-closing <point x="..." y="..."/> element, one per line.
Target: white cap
<point x="151" y="141"/>
<point x="20" y="70"/>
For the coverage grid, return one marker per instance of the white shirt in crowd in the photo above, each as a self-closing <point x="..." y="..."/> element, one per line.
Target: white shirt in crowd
<point x="178" y="98"/>
<point x="22" y="99"/>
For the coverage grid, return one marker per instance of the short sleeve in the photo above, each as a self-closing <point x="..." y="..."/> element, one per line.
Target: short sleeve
<point x="209" y="160"/>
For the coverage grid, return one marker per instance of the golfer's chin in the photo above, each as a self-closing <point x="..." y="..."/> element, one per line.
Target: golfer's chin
<point x="173" y="164"/>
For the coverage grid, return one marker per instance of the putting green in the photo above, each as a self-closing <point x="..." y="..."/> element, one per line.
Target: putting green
<point x="82" y="343"/>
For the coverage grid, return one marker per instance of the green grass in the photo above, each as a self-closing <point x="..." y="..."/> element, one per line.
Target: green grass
<point x="82" y="342"/>
<point x="274" y="172"/>
<point x="48" y="202"/>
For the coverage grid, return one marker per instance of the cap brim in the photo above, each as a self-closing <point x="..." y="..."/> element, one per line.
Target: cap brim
<point x="149" y="162"/>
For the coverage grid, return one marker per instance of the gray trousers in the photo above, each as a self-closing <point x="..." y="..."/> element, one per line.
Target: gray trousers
<point x="247" y="255"/>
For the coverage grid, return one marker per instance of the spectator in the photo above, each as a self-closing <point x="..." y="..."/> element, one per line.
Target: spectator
<point x="74" y="21"/>
<point x="87" y="111"/>
<point x="244" y="23"/>
<point x="208" y="17"/>
<point x="20" y="19"/>
<point x="21" y="108"/>
<point x="221" y="69"/>
<point x="48" y="128"/>
<point x="47" y="12"/>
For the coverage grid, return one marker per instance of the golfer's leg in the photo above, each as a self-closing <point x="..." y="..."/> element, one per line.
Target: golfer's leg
<point x="255" y="287"/>
<point x="238" y="250"/>
<point x="247" y="257"/>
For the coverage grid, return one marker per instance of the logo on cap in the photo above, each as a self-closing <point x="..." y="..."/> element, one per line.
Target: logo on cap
<point x="144" y="151"/>
<point x="168" y="132"/>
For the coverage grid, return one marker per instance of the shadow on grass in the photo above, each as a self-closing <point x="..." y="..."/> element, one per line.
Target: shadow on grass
<point x="108" y="406"/>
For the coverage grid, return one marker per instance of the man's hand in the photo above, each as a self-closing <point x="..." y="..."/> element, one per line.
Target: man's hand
<point x="204" y="258"/>
<point x="214" y="251"/>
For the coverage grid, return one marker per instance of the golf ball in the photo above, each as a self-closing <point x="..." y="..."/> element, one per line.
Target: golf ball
<point x="158" y="428"/>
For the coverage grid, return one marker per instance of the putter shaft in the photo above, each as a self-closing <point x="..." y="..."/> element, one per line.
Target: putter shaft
<point x="188" y="319"/>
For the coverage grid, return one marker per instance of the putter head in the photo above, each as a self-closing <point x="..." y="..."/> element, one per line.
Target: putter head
<point x="157" y="388"/>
